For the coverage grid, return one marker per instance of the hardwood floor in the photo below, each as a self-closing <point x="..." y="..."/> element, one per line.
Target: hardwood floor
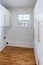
<point x="17" y="56"/>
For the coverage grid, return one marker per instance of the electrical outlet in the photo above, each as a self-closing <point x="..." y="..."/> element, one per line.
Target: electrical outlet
<point x="4" y="37"/>
<point x="6" y="42"/>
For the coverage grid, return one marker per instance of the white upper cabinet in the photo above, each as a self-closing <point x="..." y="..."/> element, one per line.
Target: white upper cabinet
<point x="5" y="16"/>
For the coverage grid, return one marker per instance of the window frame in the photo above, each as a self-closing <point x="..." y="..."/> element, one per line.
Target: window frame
<point x="20" y="21"/>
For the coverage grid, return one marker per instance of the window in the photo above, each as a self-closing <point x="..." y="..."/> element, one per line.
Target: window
<point x="24" y="20"/>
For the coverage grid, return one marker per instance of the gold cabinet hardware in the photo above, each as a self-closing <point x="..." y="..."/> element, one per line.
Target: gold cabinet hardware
<point x="38" y="62"/>
<point x="4" y="19"/>
<point x="10" y="20"/>
<point x="38" y="31"/>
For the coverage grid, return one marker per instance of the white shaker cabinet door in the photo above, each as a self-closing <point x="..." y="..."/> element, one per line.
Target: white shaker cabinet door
<point x="4" y="16"/>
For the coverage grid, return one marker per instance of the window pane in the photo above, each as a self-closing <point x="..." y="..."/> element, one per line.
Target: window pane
<point x="20" y="17"/>
<point x="26" y="17"/>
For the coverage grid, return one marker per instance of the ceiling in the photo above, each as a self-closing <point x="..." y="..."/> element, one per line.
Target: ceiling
<point x="18" y="3"/>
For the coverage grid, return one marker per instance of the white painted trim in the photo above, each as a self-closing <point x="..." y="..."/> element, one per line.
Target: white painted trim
<point x="20" y="44"/>
<point x="36" y="59"/>
<point x="2" y="47"/>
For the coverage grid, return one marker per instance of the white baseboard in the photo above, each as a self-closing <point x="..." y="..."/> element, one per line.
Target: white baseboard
<point x="36" y="56"/>
<point x="20" y="44"/>
<point x="2" y="47"/>
<point x="17" y="44"/>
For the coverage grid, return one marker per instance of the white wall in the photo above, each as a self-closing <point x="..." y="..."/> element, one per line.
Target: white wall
<point x="2" y="41"/>
<point x="3" y="32"/>
<point x="20" y="36"/>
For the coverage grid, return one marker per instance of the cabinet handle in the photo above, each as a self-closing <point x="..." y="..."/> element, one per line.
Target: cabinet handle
<point x="4" y="19"/>
<point x="38" y="62"/>
<point x="10" y="20"/>
<point x="38" y="31"/>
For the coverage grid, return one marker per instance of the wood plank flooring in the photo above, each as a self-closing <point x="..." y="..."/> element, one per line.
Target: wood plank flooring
<point x="17" y="56"/>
